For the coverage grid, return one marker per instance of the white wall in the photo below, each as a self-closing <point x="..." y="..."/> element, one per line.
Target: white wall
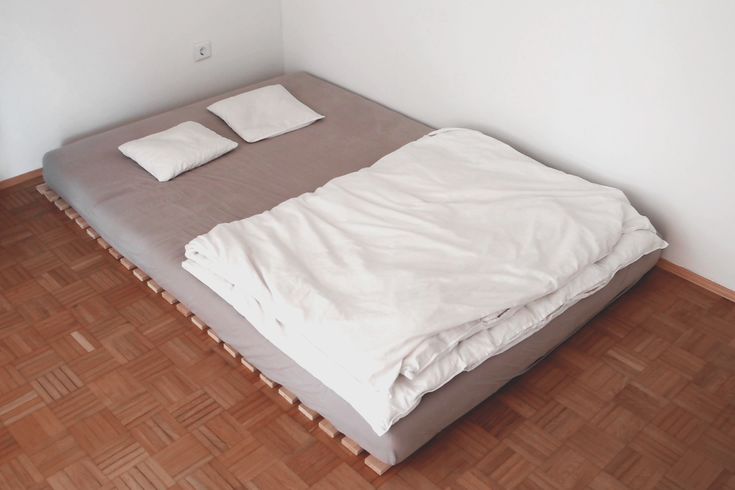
<point x="635" y="94"/>
<point x="68" y="68"/>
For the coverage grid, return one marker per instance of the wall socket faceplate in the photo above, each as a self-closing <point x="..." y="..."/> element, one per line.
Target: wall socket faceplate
<point x="202" y="50"/>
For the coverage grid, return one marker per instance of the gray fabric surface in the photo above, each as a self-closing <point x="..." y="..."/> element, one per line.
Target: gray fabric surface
<point x="150" y="222"/>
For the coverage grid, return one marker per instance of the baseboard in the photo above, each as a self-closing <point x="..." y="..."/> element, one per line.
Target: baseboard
<point x="695" y="278"/>
<point x="19" y="179"/>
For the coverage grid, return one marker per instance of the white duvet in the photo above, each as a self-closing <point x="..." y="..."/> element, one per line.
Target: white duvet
<point x="387" y="282"/>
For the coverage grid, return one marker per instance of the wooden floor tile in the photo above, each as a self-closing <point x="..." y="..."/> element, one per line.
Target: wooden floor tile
<point x="183" y="456"/>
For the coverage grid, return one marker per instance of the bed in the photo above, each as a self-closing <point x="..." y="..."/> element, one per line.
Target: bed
<point x="150" y="223"/>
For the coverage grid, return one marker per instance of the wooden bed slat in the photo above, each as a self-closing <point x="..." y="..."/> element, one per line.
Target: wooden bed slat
<point x="42" y="188"/>
<point x="127" y="264"/>
<point x="230" y="350"/>
<point x="181" y="308"/>
<point x="153" y="286"/>
<point x="71" y="213"/>
<point x="140" y="275"/>
<point x="247" y="365"/>
<point x="92" y="233"/>
<point x="51" y="195"/>
<point x="351" y="446"/>
<point x="198" y="322"/>
<point x="169" y="297"/>
<point x="81" y="223"/>
<point x="102" y="243"/>
<point x="115" y="254"/>
<point x="61" y="204"/>
<point x="268" y="382"/>
<point x="213" y="335"/>
<point x="376" y="465"/>
<point x="329" y="429"/>
<point x="287" y="395"/>
<point x="308" y="412"/>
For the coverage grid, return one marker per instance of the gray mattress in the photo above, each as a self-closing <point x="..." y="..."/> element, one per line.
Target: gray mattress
<point x="150" y="222"/>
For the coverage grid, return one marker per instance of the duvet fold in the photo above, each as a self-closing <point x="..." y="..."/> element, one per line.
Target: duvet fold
<point x="387" y="282"/>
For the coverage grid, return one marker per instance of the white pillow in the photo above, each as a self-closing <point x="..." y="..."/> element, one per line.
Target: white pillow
<point x="184" y="147"/>
<point x="263" y="113"/>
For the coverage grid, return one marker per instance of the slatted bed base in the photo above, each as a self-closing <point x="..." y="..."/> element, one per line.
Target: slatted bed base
<point x="324" y="425"/>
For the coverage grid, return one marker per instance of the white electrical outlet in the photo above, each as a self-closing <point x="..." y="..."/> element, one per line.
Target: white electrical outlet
<point x="202" y="50"/>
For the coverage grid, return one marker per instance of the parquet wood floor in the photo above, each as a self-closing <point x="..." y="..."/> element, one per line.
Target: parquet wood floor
<point x="103" y="385"/>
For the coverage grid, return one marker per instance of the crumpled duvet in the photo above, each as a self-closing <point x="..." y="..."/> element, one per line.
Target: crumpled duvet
<point x="387" y="282"/>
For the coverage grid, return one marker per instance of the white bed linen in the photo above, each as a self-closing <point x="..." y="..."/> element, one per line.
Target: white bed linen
<point x="386" y="283"/>
<point x="174" y="151"/>
<point x="264" y="113"/>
